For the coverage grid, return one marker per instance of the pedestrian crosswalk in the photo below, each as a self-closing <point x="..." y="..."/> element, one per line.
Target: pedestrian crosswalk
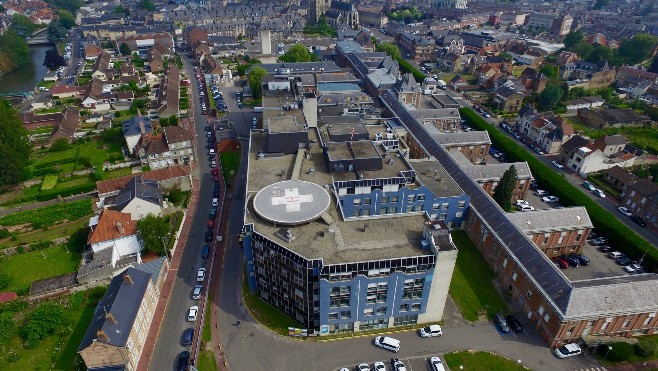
<point x="458" y="97"/>
<point x="592" y="369"/>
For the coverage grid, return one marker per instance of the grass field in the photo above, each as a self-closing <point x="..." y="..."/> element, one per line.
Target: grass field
<point x="480" y="361"/>
<point x="36" y="265"/>
<point x="230" y="164"/>
<point x="49" y="234"/>
<point x="471" y="286"/>
<point x="643" y="137"/>
<point x="207" y="361"/>
<point x="93" y="150"/>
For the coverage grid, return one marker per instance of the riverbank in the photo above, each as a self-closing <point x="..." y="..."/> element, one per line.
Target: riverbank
<point x="25" y="79"/>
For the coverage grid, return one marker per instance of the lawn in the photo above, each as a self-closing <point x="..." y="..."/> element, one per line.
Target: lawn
<point x="266" y="313"/>
<point x="643" y="136"/>
<point x="230" y="164"/>
<point x="49" y="234"/>
<point x="634" y="357"/>
<point x="49" y="215"/>
<point x="484" y="361"/>
<point x="95" y="151"/>
<point x="117" y="173"/>
<point x="207" y="335"/>
<point x="471" y="287"/>
<point x="36" y="265"/>
<point x="206" y="361"/>
<point x="42" y="111"/>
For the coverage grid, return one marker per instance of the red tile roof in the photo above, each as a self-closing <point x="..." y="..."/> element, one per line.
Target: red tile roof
<point x="112" y="225"/>
<point x="7" y="296"/>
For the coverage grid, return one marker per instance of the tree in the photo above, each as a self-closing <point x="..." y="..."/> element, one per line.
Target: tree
<point x="507" y="57"/>
<point x="124" y="49"/>
<point x="120" y="9"/>
<point x="43" y="321"/>
<point x="22" y="25"/>
<point x="147" y="5"/>
<point x="549" y="97"/>
<point x="503" y="191"/>
<point x="56" y="31"/>
<point x="66" y="19"/>
<point x="573" y="38"/>
<point x="53" y="60"/>
<point x="255" y="81"/>
<point x="14" y="145"/>
<point x="601" y="3"/>
<point x="602" y="53"/>
<point x="549" y="70"/>
<point x="153" y="230"/>
<point x="70" y="5"/>
<point x="637" y="49"/>
<point x="173" y="120"/>
<point x="390" y="49"/>
<point x="654" y="65"/>
<point x="298" y="53"/>
<point x="15" y="48"/>
<point x="583" y="49"/>
<point x="2" y="9"/>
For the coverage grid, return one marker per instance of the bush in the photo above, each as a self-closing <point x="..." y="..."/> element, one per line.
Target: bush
<point x="175" y="196"/>
<point x="645" y="348"/>
<point x="43" y="321"/>
<point x="620" y="352"/>
<point x="4" y="233"/>
<point x="60" y="144"/>
<point x="5" y="281"/>
<point x="65" y="192"/>
<point x="620" y="235"/>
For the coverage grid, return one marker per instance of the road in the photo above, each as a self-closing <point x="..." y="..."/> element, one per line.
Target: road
<point x="168" y="345"/>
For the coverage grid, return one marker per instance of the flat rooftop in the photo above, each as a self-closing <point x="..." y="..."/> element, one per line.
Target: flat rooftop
<point x="284" y="124"/>
<point x="436" y="178"/>
<point x="352" y="150"/>
<point x="329" y="237"/>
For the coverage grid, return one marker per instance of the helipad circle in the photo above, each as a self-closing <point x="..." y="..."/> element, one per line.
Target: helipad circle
<point x="291" y="202"/>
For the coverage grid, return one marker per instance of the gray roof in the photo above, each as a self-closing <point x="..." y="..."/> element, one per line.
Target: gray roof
<point x="154" y="267"/>
<point x="122" y="300"/>
<point x="407" y="84"/>
<point x="551" y="220"/>
<point x="437" y="113"/>
<point x="506" y="91"/>
<point x="614" y="295"/>
<point x="463" y="138"/>
<point x="133" y="126"/>
<point x="139" y="187"/>
<point x="574" y="143"/>
<point x="554" y="285"/>
<point x="300" y="67"/>
<point x="496" y="171"/>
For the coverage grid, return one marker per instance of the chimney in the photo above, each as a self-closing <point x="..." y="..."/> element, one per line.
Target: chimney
<point x="120" y="228"/>
<point x="102" y="336"/>
<point x="127" y="279"/>
<point x="110" y="318"/>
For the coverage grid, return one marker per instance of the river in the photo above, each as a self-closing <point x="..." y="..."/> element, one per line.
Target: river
<point x="27" y="77"/>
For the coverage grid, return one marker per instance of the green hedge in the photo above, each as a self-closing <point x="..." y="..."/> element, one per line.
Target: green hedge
<point x="621" y="237"/>
<point x="51" y="194"/>
<point x="407" y="67"/>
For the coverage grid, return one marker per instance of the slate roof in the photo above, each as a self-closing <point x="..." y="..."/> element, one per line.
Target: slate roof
<point x="616" y="115"/>
<point x="138" y="187"/>
<point x="300" y="67"/>
<point x="494" y="172"/>
<point x="551" y="220"/>
<point x="136" y="126"/>
<point x="506" y="92"/>
<point x="461" y="138"/>
<point x="622" y="175"/>
<point x="437" y="113"/>
<point x="122" y="300"/>
<point x="574" y="143"/>
<point x="153" y="268"/>
<point x="407" y="84"/>
<point x="607" y="296"/>
<point x="343" y="6"/>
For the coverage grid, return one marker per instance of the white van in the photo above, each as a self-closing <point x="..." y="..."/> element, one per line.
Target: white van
<point x="258" y="109"/>
<point x="388" y="343"/>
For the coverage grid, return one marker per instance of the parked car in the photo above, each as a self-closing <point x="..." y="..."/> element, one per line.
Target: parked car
<point x="599" y="241"/>
<point x="514" y="324"/>
<point x="201" y="275"/>
<point x="538" y="151"/>
<point x="387" y="343"/>
<point x="605" y="248"/>
<point x="614" y="255"/>
<point x="567" y="350"/>
<point x="192" y="313"/>
<point x="436" y="364"/>
<point x="557" y="164"/>
<point x="521" y="202"/>
<point x="599" y="193"/>
<point x="183" y="361"/>
<point x="581" y="258"/>
<point x="362" y="367"/>
<point x="624" y="260"/>
<point x="211" y="224"/>
<point x="563" y="263"/>
<point x="573" y="262"/>
<point x="624" y="211"/>
<point x="634" y="268"/>
<point x="208" y="237"/>
<point x="196" y="292"/>
<point x="379" y="366"/>
<point x="205" y="252"/>
<point x="215" y="202"/>
<point x="430" y="331"/>
<point x="525" y="207"/>
<point x="550" y="199"/>
<point x="397" y="365"/>
<point x="188" y="336"/>
<point x="541" y="192"/>
<point x="638" y="220"/>
<point x="501" y="322"/>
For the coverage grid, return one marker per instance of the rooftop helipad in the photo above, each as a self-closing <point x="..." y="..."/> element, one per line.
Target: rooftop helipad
<point x="291" y="202"/>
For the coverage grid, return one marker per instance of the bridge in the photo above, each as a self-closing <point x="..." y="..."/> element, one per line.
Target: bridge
<point x="41" y="40"/>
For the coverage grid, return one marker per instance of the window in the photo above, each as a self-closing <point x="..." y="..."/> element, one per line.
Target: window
<point x="504" y="262"/>
<point x="333" y="316"/>
<point x="413" y="288"/>
<point x="649" y="319"/>
<point x="435" y="206"/>
<point x="461" y="204"/>
<point x="383" y="210"/>
<point x="405" y="320"/>
<point x="384" y="199"/>
<point x="546" y="317"/>
<point x="381" y="310"/>
<point x="415" y="306"/>
<point x="345" y="314"/>
<point x="368" y="312"/>
<point x="394" y="199"/>
<point x="420" y="197"/>
<point x="540" y="310"/>
<point x="443" y="216"/>
<point x="571" y="330"/>
<point x="528" y="294"/>
<point x="626" y="323"/>
<point x="606" y="323"/>
<point x="404" y="308"/>
<point x="514" y="276"/>
<point x="357" y="201"/>
<point x="444" y="206"/>
<point x="366" y="201"/>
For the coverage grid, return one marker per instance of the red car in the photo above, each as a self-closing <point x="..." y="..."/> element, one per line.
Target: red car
<point x="215" y="178"/>
<point x="215" y="171"/>
<point x="211" y="224"/>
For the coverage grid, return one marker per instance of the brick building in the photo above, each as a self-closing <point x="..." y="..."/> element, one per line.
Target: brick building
<point x="642" y="198"/>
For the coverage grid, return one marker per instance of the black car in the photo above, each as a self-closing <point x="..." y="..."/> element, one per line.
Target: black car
<point x="207" y="128"/>
<point x="581" y="258"/>
<point x="208" y="237"/>
<point x="605" y="248"/>
<point x="638" y="220"/>
<point x="205" y="252"/>
<point x="514" y="324"/>
<point x="188" y="336"/>
<point x="183" y="361"/>
<point x="624" y="260"/>
<point x="599" y="241"/>
<point x="215" y="193"/>
<point x="574" y="262"/>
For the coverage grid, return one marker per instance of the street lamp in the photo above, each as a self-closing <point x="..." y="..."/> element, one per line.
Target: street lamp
<point x="606" y="353"/>
<point x="164" y="245"/>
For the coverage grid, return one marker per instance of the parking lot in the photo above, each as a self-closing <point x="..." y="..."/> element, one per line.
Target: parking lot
<point x="412" y="364"/>
<point x="600" y="266"/>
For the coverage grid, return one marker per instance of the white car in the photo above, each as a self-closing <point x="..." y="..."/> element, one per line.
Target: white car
<point x="557" y="164"/>
<point x="525" y="208"/>
<point x="588" y="186"/>
<point x="633" y="268"/>
<point x="550" y="199"/>
<point x="363" y="367"/>
<point x="201" y="275"/>
<point x="436" y="364"/>
<point x="430" y="331"/>
<point x="215" y="202"/>
<point x="521" y="202"/>
<point x="379" y="366"/>
<point x="567" y="350"/>
<point x="192" y="314"/>
<point x="624" y="211"/>
<point x="196" y="292"/>
<point x="599" y="193"/>
<point x="399" y="366"/>
<point x="541" y="192"/>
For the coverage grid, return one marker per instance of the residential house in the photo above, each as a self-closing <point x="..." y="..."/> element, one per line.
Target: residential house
<point x="507" y="99"/>
<point x="171" y="147"/>
<point x="418" y="47"/>
<point x="408" y="90"/>
<point x="122" y="319"/>
<point x="66" y="125"/>
<point x="197" y="36"/>
<point x="134" y="128"/>
<point x="641" y="198"/>
<point x="372" y="19"/>
<point x="92" y="51"/>
<point x="533" y="80"/>
<point x="114" y="231"/>
<point x="94" y="99"/>
<point x="546" y="132"/>
<point x="555" y="231"/>
<point x="451" y="61"/>
<point x="584" y="102"/>
<point x="142" y="42"/>
<point x="620" y="178"/>
<point x="566" y="57"/>
<point x="172" y="177"/>
<point x="61" y="91"/>
<point x="139" y="198"/>
<point x="612" y="117"/>
<point x="593" y="156"/>
<point x="169" y="94"/>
